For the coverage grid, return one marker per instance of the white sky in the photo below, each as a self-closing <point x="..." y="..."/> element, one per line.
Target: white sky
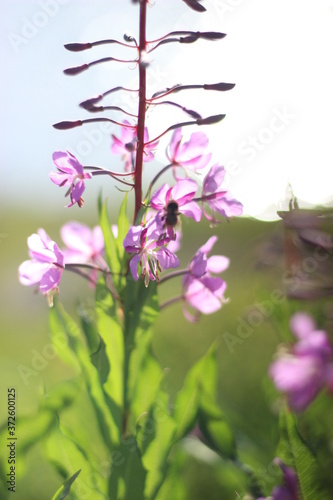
<point x="278" y="127"/>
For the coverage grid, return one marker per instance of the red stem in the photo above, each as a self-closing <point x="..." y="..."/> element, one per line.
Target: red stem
<point x="141" y="110"/>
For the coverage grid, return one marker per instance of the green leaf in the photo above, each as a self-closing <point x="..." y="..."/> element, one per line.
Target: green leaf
<point x="128" y="475"/>
<point x="144" y="372"/>
<point x="114" y="250"/>
<point x="64" y="490"/>
<point x="294" y="452"/>
<point x="109" y="240"/>
<point x="214" y="427"/>
<point x="100" y="360"/>
<point x="201" y="377"/>
<point x="111" y="332"/>
<point x="67" y="456"/>
<point x="123" y="227"/>
<point x="106" y="410"/>
<point x="155" y="433"/>
<point x="89" y="329"/>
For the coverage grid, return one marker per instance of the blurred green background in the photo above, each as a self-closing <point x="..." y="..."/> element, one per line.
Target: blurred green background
<point x="255" y="272"/>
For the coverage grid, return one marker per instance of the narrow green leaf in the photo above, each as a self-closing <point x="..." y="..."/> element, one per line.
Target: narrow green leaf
<point x="64" y="489"/>
<point x="89" y="328"/>
<point x="202" y="377"/>
<point x="128" y="475"/>
<point x="107" y="411"/>
<point x="111" y="332"/>
<point x="214" y="427"/>
<point x="67" y="456"/>
<point x="61" y="341"/>
<point x="123" y="226"/>
<point x="144" y="373"/>
<point x="111" y="253"/>
<point x="101" y="362"/>
<point x="156" y="431"/>
<point x="294" y="452"/>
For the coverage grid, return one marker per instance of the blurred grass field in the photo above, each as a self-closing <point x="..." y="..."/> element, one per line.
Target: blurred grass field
<point x="178" y="344"/>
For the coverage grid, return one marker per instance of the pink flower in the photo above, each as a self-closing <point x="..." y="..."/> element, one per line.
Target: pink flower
<point x="182" y="195"/>
<point x="70" y="173"/>
<point x="191" y="154"/>
<point x="127" y="144"/>
<point x="45" y="267"/>
<point x="218" y="200"/>
<point x="201" y="290"/>
<point x="307" y="368"/>
<point x="82" y="244"/>
<point x="150" y="252"/>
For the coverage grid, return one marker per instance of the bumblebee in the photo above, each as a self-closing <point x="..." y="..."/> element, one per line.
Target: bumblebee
<point x="171" y="214"/>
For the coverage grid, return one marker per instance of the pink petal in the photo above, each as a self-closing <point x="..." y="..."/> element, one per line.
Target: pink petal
<point x="192" y="210"/>
<point x="67" y="162"/>
<point x="77" y="192"/>
<point x="300" y="378"/>
<point x="213" y="179"/>
<point x="184" y="191"/>
<point x="302" y="324"/>
<point x="166" y="258"/>
<point x="31" y="272"/>
<point x="174" y="144"/>
<point x="195" y="145"/>
<point x="51" y="279"/>
<point x="314" y="344"/>
<point x="206" y="248"/>
<point x="158" y="200"/>
<point x="77" y="237"/>
<point x="59" y="178"/>
<point x="134" y="266"/>
<point x="217" y="264"/>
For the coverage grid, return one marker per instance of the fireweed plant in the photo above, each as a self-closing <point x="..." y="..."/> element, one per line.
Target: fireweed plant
<point x="126" y="264"/>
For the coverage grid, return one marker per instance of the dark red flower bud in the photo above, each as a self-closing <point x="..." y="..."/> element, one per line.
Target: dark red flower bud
<point x="77" y="47"/>
<point x="67" y="125"/>
<point x="210" y="120"/>
<point x="219" y="86"/>
<point x="90" y="103"/>
<point x="76" y="70"/>
<point x="194" y="4"/>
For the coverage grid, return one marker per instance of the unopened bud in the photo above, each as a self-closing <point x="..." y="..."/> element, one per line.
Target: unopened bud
<point x="77" y="47"/>
<point x="210" y="120"/>
<point x="67" y="125"/>
<point x="90" y="103"/>
<point x="76" y="70"/>
<point x="128" y="37"/>
<point x="219" y="86"/>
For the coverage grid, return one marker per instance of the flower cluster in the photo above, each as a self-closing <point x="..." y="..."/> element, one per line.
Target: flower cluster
<point x="302" y="371"/>
<point x="152" y="241"/>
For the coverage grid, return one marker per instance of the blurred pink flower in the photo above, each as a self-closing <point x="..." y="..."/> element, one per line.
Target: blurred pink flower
<point x="218" y="199"/>
<point x="191" y="154"/>
<point x="127" y="144"/>
<point x="70" y="173"/>
<point x="201" y="290"/>
<point x="82" y="243"/>
<point x="45" y="267"/>
<point x="307" y="368"/>
<point x="83" y="246"/>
